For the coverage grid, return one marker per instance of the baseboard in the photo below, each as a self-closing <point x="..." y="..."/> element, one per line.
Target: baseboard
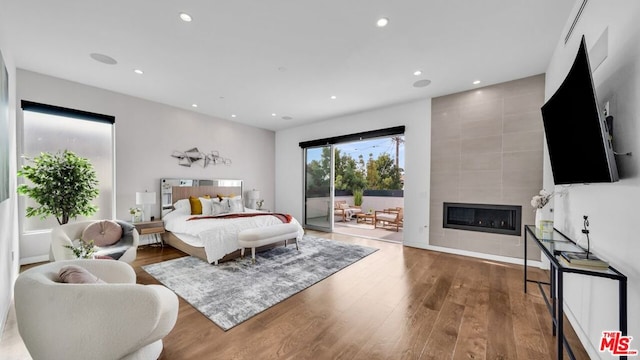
<point x="483" y="256"/>
<point x="582" y="335"/>
<point x="34" y="259"/>
<point x="4" y="315"/>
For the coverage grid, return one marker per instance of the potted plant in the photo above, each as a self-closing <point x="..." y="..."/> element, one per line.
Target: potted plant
<point x="63" y="185"/>
<point x="82" y="249"/>
<point x="136" y="214"/>
<point x="357" y="197"/>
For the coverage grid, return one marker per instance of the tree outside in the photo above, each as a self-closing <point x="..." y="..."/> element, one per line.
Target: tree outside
<point x="380" y="173"/>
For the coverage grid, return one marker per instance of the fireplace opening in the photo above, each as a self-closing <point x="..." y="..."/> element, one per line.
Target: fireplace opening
<point x="499" y="219"/>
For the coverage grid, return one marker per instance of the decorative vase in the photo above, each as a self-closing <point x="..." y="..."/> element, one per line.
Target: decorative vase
<point x="538" y="218"/>
<point x="544" y="223"/>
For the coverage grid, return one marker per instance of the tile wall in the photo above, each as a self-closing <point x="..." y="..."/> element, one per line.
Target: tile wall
<point x="486" y="147"/>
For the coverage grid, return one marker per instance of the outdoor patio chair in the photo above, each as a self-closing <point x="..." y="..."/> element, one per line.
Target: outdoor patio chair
<point x="345" y="211"/>
<point x="389" y="218"/>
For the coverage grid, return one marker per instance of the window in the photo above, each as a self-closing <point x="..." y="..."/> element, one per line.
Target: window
<point x="52" y="129"/>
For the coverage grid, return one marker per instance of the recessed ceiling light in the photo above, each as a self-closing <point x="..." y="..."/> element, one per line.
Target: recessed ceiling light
<point x="476" y="82"/>
<point x="185" y="17"/>
<point x="138" y="71"/>
<point x="417" y="73"/>
<point x="105" y="59"/>
<point x="382" y="22"/>
<point x="421" y="83"/>
<point x="194" y="105"/>
<point x="233" y="115"/>
<point x="273" y="114"/>
<point x="333" y="97"/>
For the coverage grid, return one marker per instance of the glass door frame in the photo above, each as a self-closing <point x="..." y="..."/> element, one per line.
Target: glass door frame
<point x="329" y="227"/>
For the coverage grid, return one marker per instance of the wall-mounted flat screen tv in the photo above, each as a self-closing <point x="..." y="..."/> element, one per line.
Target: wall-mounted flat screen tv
<point x="578" y="139"/>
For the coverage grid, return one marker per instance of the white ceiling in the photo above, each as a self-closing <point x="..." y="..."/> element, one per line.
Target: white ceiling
<point x="253" y="58"/>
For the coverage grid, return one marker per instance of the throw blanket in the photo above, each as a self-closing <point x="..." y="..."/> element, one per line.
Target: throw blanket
<point x="285" y="218"/>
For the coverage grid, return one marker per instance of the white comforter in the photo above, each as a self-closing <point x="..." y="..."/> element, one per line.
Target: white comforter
<point x="218" y="236"/>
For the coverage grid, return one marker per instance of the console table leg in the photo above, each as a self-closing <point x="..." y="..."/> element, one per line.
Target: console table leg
<point x="622" y="299"/>
<point x="560" y="319"/>
<point x="525" y="262"/>
<point x="554" y="299"/>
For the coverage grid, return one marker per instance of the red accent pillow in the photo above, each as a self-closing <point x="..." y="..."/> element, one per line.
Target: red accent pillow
<point x="103" y="233"/>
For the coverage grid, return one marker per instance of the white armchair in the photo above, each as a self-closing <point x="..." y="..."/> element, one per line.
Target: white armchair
<point x="118" y="319"/>
<point x="65" y="235"/>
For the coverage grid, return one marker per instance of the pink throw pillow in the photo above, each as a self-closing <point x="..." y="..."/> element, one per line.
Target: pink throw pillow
<point x="73" y="274"/>
<point x="103" y="233"/>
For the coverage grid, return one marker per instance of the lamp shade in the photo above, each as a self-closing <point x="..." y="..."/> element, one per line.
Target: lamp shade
<point x="144" y="198"/>
<point x="254" y="194"/>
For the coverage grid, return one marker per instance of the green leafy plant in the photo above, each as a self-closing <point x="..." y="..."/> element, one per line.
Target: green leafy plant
<point x="63" y="185"/>
<point x="84" y="249"/>
<point x="357" y="197"/>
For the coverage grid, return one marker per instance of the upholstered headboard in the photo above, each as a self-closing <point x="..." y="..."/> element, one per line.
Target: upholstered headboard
<point x="173" y="190"/>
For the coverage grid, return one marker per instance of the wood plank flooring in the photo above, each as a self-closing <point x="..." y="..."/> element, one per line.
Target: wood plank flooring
<point x="398" y="303"/>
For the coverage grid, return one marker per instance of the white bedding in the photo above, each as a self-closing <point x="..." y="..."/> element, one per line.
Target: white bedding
<point x="218" y="236"/>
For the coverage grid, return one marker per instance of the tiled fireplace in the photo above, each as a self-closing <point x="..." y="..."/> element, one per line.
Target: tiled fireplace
<point x="486" y="148"/>
<point x="498" y="219"/>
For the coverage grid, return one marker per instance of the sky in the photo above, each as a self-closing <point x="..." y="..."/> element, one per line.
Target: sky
<point x="366" y="147"/>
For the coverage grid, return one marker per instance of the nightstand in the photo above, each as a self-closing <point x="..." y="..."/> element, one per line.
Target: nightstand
<point x="153" y="227"/>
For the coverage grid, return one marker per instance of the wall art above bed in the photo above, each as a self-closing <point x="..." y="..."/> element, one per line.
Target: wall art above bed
<point x="193" y="155"/>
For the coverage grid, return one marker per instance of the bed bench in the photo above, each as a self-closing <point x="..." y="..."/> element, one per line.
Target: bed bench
<point x="252" y="238"/>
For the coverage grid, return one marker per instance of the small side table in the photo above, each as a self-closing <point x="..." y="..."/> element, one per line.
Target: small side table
<point x="365" y="218"/>
<point x="153" y="227"/>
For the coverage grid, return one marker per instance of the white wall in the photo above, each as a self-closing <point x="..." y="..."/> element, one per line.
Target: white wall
<point x="613" y="209"/>
<point x="416" y="116"/>
<point x="146" y="133"/>
<point x="8" y="208"/>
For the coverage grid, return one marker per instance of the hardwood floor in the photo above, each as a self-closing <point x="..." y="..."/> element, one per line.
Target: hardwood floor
<point x="398" y="303"/>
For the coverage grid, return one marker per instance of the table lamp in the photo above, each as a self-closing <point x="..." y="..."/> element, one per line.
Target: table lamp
<point x="146" y="199"/>
<point x="254" y="196"/>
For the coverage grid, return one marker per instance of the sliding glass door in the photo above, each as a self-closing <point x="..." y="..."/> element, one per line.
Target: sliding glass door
<point x="318" y="196"/>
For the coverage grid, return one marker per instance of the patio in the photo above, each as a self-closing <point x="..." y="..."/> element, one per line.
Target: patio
<point x="366" y="230"/>
<point x="318" y="208"/>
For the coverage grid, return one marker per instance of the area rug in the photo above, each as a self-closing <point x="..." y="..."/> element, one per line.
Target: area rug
<point x="236" y="290"/>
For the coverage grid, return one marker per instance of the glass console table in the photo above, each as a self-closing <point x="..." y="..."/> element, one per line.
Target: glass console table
<point x="552" y="245"/>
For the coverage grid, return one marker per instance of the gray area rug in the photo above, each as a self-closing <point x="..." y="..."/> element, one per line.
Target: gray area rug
<point x="236" y="290"/>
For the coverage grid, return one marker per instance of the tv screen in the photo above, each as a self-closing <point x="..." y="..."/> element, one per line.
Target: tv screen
<point x="579" y="145"/>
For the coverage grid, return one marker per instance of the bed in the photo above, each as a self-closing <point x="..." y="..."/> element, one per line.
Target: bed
<point x="212" y="235"/>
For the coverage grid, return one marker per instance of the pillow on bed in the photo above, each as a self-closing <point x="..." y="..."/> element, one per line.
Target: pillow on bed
<point x="183" y="204"/>
<point x="222" y="197"/>
<point x="206" y="206"/>
<point x="196" y="205"/>
<point x="217" y="208"/>
<point x="235" y="204"/>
